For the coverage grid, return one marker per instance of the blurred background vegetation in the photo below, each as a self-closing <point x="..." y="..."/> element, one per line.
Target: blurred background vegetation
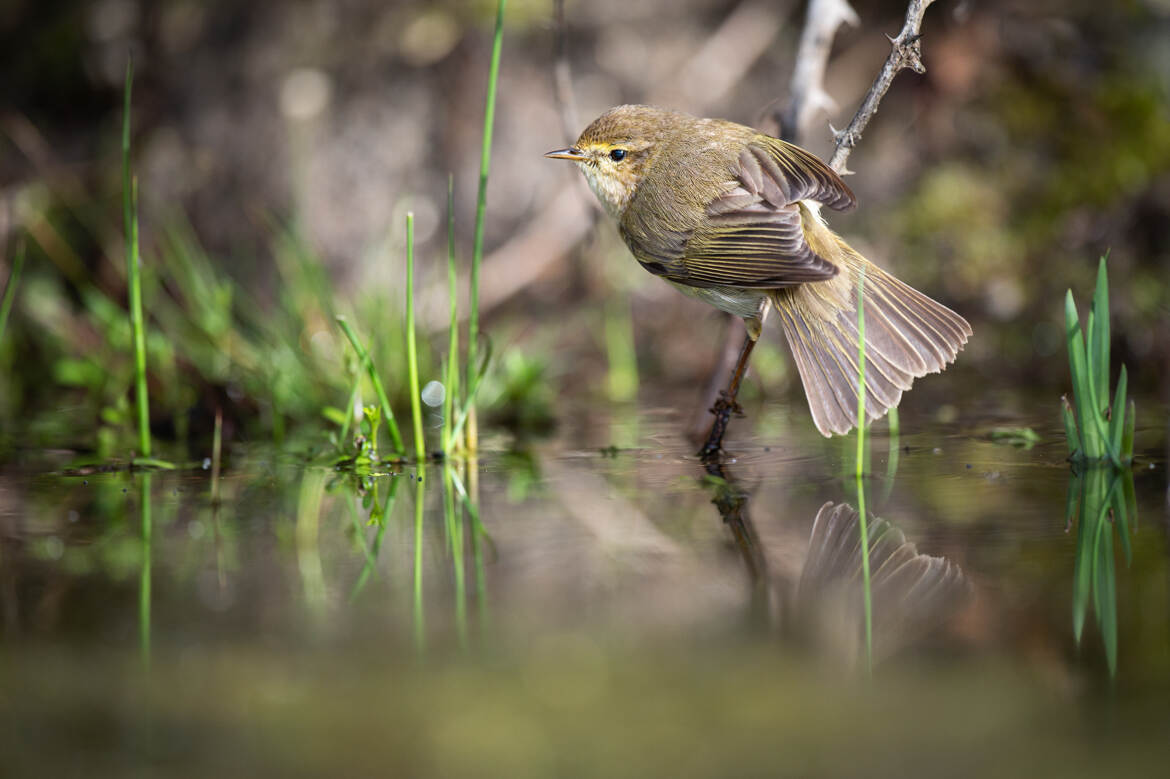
<point x="279" y="144"/>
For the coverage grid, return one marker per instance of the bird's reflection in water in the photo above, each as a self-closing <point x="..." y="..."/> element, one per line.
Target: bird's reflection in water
<point x="823" y="607"/>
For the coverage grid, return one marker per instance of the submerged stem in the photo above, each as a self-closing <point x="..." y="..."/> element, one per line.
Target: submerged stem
<point x="861" y="471"/>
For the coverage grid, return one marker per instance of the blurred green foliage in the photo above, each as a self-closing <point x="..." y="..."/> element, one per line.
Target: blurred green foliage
<point x="210" y="344"/>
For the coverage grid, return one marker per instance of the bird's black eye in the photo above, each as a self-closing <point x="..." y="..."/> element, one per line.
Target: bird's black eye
<point x="617" y="155"/>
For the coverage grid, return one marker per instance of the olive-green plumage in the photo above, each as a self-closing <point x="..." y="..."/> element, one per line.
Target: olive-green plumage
<point x="732" y="216"/>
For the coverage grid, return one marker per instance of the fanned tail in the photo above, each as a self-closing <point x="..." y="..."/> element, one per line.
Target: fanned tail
<point x="907" y="335"/>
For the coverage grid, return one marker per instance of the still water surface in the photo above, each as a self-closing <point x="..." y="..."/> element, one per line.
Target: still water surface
<point x="612" y="607"/>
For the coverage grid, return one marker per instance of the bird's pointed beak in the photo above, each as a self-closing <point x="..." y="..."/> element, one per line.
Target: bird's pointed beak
<point x="571" y="153"/>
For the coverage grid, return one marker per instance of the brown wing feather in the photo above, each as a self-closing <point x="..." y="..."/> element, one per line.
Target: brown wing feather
<point x="753" y="236"/>
<point x="754" y="245"/>
<point x="787" y="173"/>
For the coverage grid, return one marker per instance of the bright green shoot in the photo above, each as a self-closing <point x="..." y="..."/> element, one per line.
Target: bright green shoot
<point x="861" y="471"/>
<point x="1098" y="426"/>
<point x="455" y="525"/>
<point x="489" y="116"/>
<point x="133" y="273"/>
<point x="420" y="451"/>
<point x="452" y="372"/>
<point x="420" y="635"/>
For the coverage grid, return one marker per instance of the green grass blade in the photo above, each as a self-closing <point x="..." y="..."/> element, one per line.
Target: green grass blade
<point x="1083" y="566"/>
<point x="1117" y="422"/>
<point x="420" y="450"/>
<point x="138" y="327"/>
<point x="1099" y="504"/>
<point x="455" y="525"/>
<point x="1105" y="587"/>
<point x="1127" y="435"/>
<point x="10" y="287"/>
<point x="1080" y="382"/>
<point x="1098" y="343"/>
<point x="368" y="363"/>
<point x="1090" y="364"/>
<point x="473" y="387"/>
<point x="1117" y="503"/>
<point x="133" y="270"/>
<point x="1096" y="409"/>
<point x="479" y="537"/>
<point x="1099" y="532"/>
<point x="893" y="423"/>
<point x="452" y="373"/>
<point x="866" y="593"/>
<point x="1070" y="428"/>
<point x="133" y="281"/>
<point x="417" y="574"/>
<point x="359" y="535"/>
<point x="375" y="548"/>
<point x="1130" y="498"/>
<point x="1097" y="444"/>
<point x="489" y="117"/>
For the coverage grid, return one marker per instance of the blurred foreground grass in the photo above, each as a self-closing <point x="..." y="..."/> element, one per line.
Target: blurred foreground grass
<point x="563" y="705"/>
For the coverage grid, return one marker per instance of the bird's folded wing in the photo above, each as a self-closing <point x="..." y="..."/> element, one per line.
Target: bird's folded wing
<point x="754" y="245"/>
<point x="752" y="236"/>
<point x="781" y="173"/>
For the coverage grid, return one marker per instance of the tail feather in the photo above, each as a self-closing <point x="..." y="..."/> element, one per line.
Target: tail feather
<point x="907" y="335"/>
<point x="938" y="327"/>
<point x="821" y="375"/>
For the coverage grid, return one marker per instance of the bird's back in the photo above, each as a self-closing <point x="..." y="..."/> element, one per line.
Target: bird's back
<point x="694" y="161"/>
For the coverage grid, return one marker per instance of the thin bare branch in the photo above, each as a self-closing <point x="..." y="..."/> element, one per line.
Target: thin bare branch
<point x="807" y="93"/>
<point x="905" y="52"/>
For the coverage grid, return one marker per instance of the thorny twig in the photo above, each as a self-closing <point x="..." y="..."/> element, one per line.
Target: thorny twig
<point x="906" y="52"/>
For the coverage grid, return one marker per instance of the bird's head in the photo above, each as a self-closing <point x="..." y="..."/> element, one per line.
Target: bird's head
<point x="615" y="152"/>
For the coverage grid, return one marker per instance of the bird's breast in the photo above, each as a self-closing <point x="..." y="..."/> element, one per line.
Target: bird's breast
<point x="613" y="193"/>
<point x="744" y="303"/>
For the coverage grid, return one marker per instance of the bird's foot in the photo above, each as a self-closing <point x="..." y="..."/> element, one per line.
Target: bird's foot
<point x="724" y="407"/>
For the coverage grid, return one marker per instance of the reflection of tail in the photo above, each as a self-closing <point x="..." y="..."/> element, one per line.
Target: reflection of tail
<point x="907" y="335"/>
<point x="911" y="592"/>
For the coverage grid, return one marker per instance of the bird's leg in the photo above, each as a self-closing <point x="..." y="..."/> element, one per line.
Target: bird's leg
<point x="725" y="406"/>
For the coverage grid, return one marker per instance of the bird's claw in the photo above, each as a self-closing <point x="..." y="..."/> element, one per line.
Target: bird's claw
<point x="727" y="405"/>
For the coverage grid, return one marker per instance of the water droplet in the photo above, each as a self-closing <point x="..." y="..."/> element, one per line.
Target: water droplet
<point x="433" y="393"/>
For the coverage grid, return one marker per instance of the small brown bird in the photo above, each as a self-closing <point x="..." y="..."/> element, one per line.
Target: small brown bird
<point x="732" y="216"/>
